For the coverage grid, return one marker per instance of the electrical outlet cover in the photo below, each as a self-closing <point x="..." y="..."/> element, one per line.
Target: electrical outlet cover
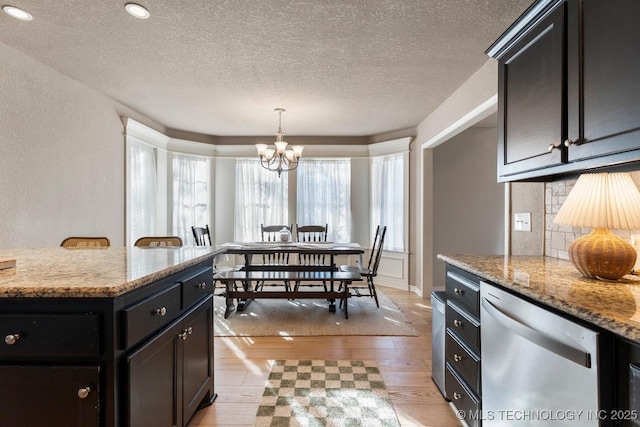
<point x="522" y="221"/>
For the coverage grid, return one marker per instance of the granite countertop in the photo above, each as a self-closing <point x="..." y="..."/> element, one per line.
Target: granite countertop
<point x="613" y="306"/>
<point x="97" y="272"/>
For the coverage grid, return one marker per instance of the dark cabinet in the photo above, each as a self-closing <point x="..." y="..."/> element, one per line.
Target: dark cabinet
<point x="143" y="358"/>
<point x="531" y="99"/>
<point x="153" y="381"/>
<point x="462" y="343"/>
<point x="568" y="92"/>
<point x="172" y="373"/>
<point x="628" y="382"/>
<point x="66" y="395"/>
<point x="197" y="363"/>
<point x="604" y="108"/>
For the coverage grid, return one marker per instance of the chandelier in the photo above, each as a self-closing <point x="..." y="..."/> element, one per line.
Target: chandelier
<point x="279" y="159"/>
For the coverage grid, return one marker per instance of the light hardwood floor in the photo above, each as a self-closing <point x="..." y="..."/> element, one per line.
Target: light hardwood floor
<point x="242" y="366"/>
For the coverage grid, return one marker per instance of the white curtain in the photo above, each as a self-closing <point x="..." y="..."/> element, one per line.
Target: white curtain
<point x="190" y="195"/>
<point x="261" y="198"/>
<point x="324" y="196"/>
<point x="387" y="199"/>
<point x="144" y="189"/>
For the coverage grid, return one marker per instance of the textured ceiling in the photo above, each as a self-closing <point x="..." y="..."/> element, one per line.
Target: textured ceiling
<point x="220" y="67"/>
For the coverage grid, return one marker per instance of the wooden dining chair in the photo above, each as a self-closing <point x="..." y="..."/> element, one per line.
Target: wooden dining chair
<point x="159" y="242"/>
<point x="371" y="270"/>
<point x="271" y="233"/>
<point x="85" y="242"/>
<point x="201" y="235"/>
<point x="311" y="234"/>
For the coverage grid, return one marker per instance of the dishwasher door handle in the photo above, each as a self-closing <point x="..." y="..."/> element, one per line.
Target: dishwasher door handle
<point x="540" y="338"/>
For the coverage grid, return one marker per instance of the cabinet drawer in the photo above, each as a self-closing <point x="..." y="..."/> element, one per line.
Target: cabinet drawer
<point x="49" y="335"/>
<point x="464" y="326"/>
<point x="196" y="286"/>
<point x="462" y="398"/>
<point x="464" y="361"/>
<point x="151" y="314"/>
<point x="464" y="289"/>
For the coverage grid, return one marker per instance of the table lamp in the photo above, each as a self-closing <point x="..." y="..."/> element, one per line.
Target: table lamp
<point x="602" y="201"/>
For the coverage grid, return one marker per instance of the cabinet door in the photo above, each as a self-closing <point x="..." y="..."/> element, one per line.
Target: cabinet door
<point x="532" y="107"/>
<point x="197" y="363"/>
<point x="606" y="117"/>
<point x="45" y="396"/>
<point x="627" y="381"/>
<point x="155" y="381"/>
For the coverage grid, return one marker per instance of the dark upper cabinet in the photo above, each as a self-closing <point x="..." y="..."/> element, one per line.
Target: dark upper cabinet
<point x="531" y="102"/>
<point x="568" y="92"/>
<point x="604" y="117"/>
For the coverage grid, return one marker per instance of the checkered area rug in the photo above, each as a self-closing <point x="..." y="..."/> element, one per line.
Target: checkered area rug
<point x="330" y="393"/>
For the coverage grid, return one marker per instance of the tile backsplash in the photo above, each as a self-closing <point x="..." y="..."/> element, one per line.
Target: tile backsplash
<point x="558" y="237"/>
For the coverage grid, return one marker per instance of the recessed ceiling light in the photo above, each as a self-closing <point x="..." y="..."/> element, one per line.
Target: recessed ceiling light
<point x="17" y="13"/>
<point x="137" y="11"/>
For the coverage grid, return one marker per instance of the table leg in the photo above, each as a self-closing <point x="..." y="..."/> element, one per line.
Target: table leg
<point x="332" y="301"/>
<point x="345" y="299"/>
<point x="229" y="298"/>
<point x="244" y="302"/>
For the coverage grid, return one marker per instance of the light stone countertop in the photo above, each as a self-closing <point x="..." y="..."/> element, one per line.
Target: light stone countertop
<point x="613" y="306"/>
<point x="93" y="273"/>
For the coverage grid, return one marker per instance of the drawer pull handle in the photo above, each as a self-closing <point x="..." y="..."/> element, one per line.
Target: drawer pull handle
<point x="457" y="357"/>
<point x="457" y="291"/>
<point x="161" y="311"/>
<point x="202" y="285"/>
<point x="83" y="392"/>
<point x="457" y="323"/>
<point x="11" y="339"/>
<point x="552" y="147"/>
<point x="457" y="396"/>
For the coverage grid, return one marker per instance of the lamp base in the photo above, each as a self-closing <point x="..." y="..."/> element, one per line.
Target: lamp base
<point x="602" y="255"/>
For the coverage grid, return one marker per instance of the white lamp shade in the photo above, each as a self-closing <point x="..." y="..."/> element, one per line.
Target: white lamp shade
<point x="280" y="146"/>
<point x="269" y="153"/>
<point x="262" y="148"/>
<point x="297" y="150"/>
<point x="289" y="155"/>
<point x="602" y="200"/>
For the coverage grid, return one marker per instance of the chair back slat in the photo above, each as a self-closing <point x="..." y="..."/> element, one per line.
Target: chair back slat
<point x="311" y="234"/>
<point x="85" y="242"/>
<point x="376" y="250"/>
<point x="159" y="241"/>
<point x="201" y="235"/>
<point x="271" y="233"/>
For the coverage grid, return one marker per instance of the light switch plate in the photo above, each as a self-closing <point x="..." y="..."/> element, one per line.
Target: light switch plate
<point x="522" y="221"/>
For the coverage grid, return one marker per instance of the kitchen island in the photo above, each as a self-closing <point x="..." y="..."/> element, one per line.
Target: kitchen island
<point x="530" y="345"/>
<point x="106" y="336"/>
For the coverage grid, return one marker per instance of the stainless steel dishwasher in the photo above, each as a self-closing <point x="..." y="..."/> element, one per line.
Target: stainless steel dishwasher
<point x="538" y="369"/>
<point x="438" y="327"/>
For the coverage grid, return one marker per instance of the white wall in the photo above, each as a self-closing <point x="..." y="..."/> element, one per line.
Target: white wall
<point x="61" y="157"/>
<point x="470" y="103"/>
<point x="468" y="202"/>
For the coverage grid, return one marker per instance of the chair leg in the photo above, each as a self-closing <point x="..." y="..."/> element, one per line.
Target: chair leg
<point x="372" y="290"/>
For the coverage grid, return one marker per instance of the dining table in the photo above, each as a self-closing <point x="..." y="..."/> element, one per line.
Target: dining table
<point x="240" y="280"/>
